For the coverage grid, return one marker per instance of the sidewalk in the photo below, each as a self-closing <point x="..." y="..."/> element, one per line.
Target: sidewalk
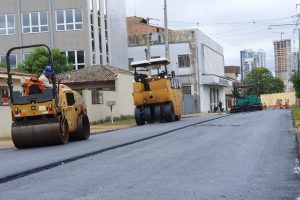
<point x="6" y="144"/>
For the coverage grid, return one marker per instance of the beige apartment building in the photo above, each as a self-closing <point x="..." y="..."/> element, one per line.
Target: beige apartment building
<point x="87" y="31"/>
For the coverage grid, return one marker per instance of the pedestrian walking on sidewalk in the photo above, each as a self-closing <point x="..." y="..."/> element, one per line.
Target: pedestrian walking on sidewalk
<point x="220" y="106"/>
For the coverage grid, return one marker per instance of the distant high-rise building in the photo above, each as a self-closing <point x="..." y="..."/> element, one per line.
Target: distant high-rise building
<point x="260" y="58"/>
<point x="282" y="53"/>
<point x="247" y="62"/>
<point x="251" y="59"/>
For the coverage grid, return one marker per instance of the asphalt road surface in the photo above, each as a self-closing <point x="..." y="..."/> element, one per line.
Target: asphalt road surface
<point x="242" y="156"/>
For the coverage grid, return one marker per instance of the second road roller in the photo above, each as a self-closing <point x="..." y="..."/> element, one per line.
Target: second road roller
<point x="45" y="116"/>
<point x="156" y="92"/>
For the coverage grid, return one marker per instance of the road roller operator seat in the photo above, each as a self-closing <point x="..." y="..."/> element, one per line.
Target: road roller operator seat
<point x="143" y="79"/>
<point x="33" y="86"/>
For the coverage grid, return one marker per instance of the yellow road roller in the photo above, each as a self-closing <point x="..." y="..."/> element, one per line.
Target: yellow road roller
<point x="46" y="116"/>
<point x="156" y="92"/>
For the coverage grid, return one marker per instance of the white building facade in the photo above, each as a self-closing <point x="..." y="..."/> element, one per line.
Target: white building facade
<point x="197" y="61"/>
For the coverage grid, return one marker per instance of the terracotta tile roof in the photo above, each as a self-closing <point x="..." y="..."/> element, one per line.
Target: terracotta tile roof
<point x="92" y="74"/>
<point x="15" y="72"/>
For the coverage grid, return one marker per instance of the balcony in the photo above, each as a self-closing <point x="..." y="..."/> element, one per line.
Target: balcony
<point x="214" y="80"/>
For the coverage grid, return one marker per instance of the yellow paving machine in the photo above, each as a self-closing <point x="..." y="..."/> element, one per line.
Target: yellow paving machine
<point x="156" y="92"/>
<point x="46" y="116"/>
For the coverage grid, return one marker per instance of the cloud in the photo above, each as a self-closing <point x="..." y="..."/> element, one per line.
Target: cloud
<point x="245" y="23"/>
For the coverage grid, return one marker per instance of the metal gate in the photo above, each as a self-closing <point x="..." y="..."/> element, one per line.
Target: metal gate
<point x="189" y="105"/>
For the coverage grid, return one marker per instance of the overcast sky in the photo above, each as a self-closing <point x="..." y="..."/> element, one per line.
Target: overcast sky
<point x="235" y="24"/>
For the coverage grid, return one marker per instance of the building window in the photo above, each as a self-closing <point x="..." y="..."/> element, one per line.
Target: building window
<point x="130" y="60"/>
<point x="7" y="25"/>
<point x="97" y="97"/>
<point x="69" y="19"/>
<point x="35" y="22"/>
<point x="26" y="55"/>
<point x="186" y="89"/>
<point x="183" y="61"/>
<point x="76" y="58"/>
<point x="13" y="60"/>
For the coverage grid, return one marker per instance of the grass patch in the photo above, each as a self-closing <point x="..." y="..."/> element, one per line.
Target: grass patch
<point x="296" y="116"/>
<point x="123" y="120"/>
<point x="5" y="138"/>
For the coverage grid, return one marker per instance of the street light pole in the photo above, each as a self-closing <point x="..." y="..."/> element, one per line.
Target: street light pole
<point x="298" y="66"/>
<point x="148" y="55"/>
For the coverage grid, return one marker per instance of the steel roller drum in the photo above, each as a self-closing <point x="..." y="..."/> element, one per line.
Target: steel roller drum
<point x="38" y="134"/>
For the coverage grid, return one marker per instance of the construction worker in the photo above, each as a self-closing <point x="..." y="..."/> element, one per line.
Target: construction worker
<point x="286" y="104"/>
<point x="46" y="77"/>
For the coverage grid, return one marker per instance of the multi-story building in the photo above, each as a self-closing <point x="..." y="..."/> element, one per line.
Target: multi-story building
<point x="87" y="31"/>
<point x="260" y="58"/>
<point x="251" y="59"/>
<point x="196" y="59"/>
<point x="282" y="52"/>
<point x="247" y="62"/>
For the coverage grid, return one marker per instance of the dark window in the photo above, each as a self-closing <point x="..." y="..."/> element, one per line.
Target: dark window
<point x="97" y="97"/>
<point x="130" y="60"/>
<point x="80" y="57"/>
<point x="13" y="60"/>
<point x="71" y="57"/>
<point x="76" y="58"/>
<point x="186" y="89"/>
<point x="183" y="61"/>
<point x="70" y="99"/>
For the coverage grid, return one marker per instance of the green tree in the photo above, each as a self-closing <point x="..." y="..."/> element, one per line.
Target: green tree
<point x="38" y="59"/>
<point x="295" y="79"/>
<point x="264" y="81"/>
<point x="2" y="65"/>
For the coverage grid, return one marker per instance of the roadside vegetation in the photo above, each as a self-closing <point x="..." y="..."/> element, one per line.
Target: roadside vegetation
<point x="36" y="61"/>
<point x="5" y="139"/>
<point x="123" y="120"/>
<point x="296" y="83"/>
<point x="264" y="81"/>
<point x="296" y="116"/>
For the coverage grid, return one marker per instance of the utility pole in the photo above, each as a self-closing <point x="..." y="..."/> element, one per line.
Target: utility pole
<point x="148" y="40"/>
<point x="298" y="66"/>
<point x="167" y="51"/>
